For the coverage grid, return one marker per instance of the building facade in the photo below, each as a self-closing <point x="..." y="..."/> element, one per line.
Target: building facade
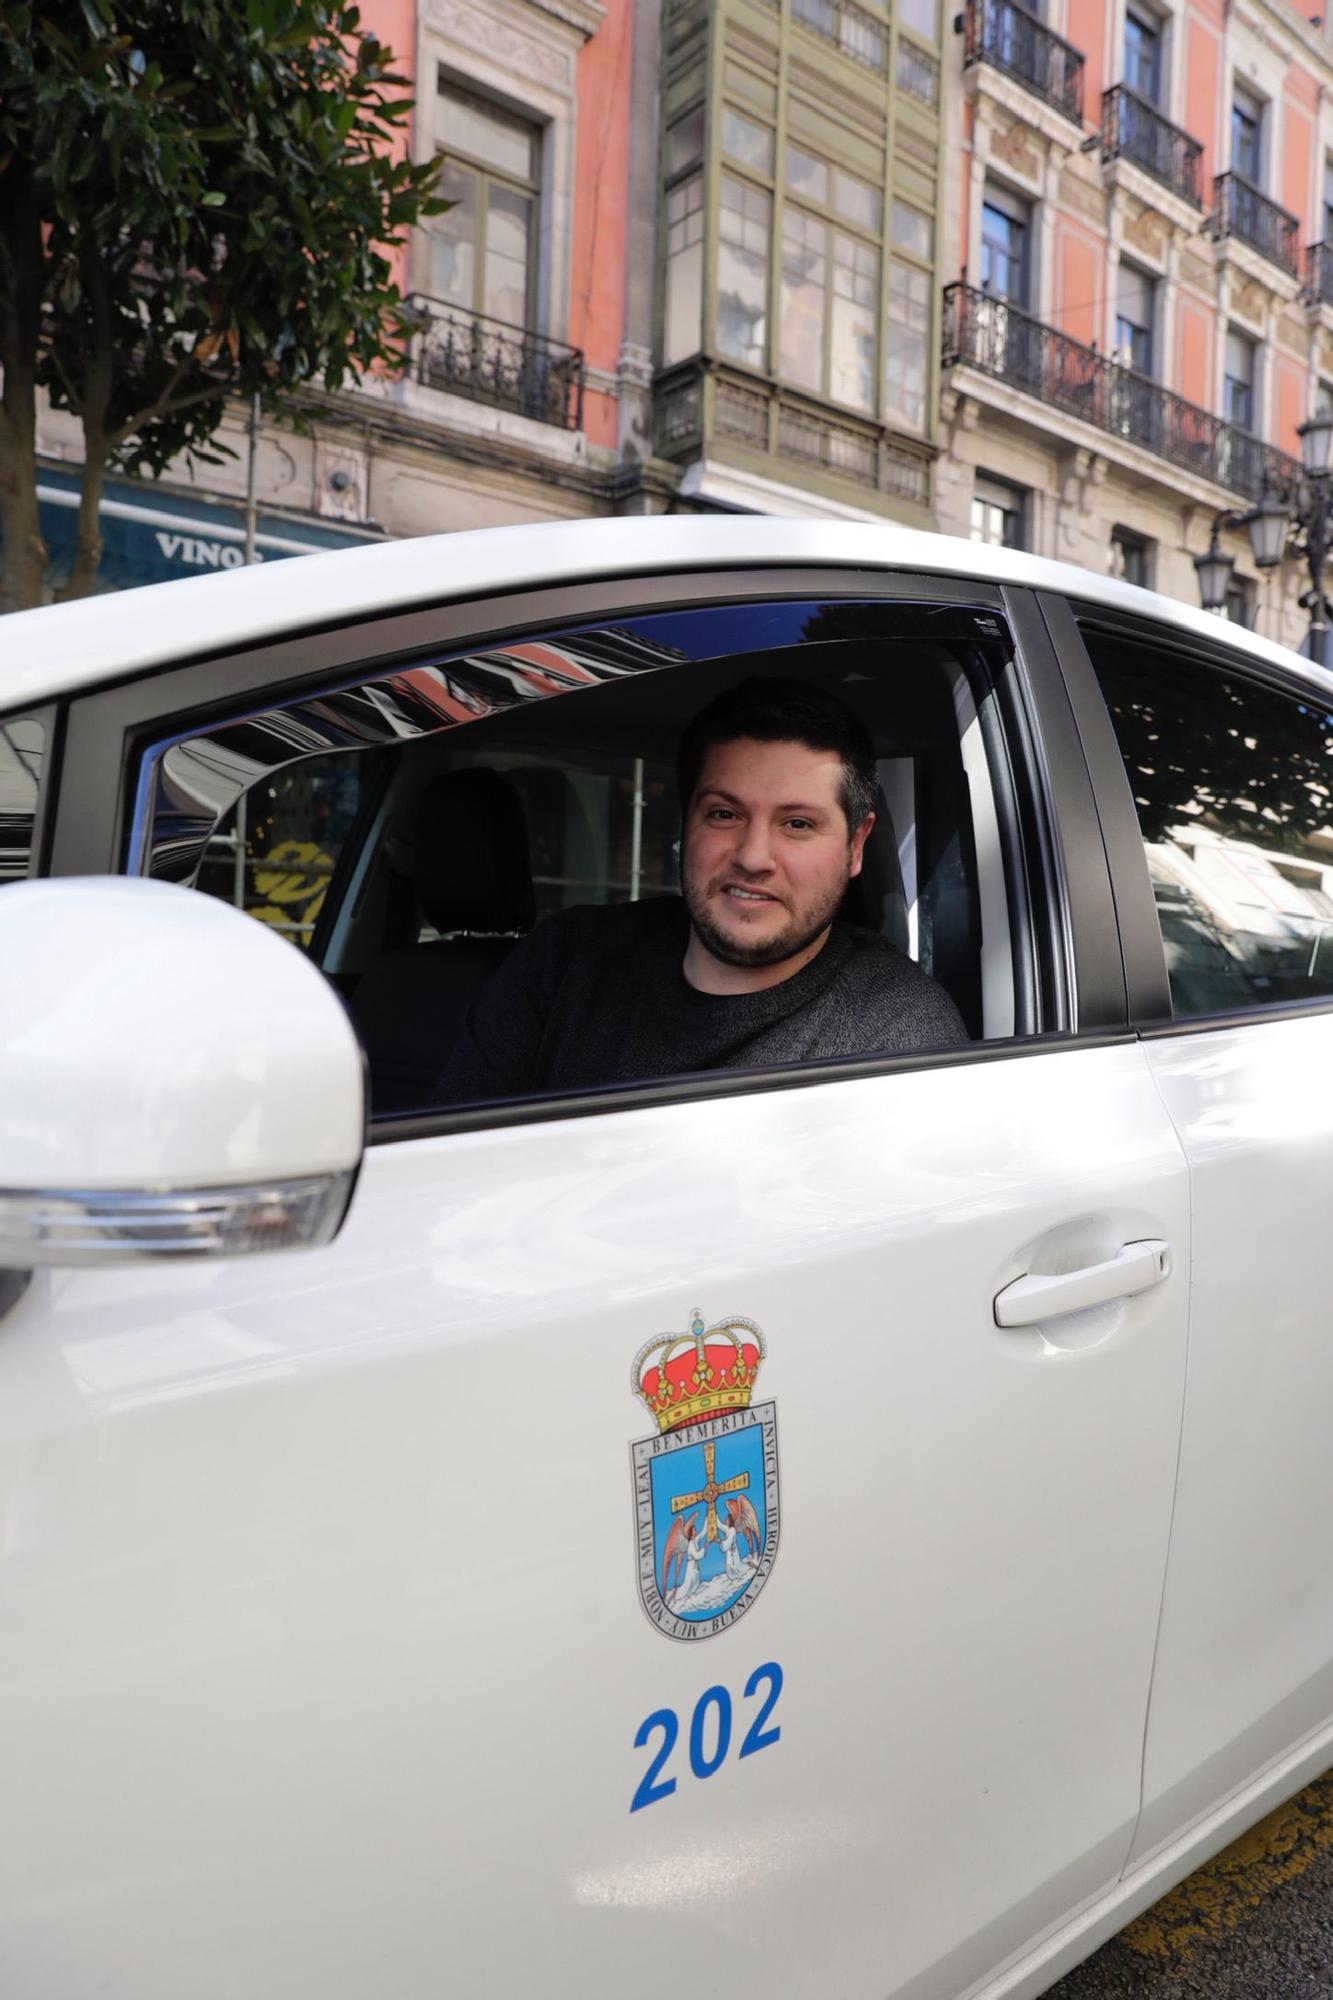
<point x="1141" y="311"/>
<point x="693" y="261"/>
<point x="801" y="184"/>
<point x="527" y="386"/>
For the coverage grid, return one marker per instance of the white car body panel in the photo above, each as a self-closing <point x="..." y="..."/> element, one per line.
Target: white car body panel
<point x="321" y="1616"/>
<point x="1245" y="1663"/>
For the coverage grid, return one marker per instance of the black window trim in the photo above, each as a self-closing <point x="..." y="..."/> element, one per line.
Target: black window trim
<point x="1067" y="890"/>
<point x="1094" y="969"/>
<point x="1148" y="986"/>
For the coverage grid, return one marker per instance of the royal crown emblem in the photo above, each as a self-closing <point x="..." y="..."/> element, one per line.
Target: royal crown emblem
<point x="706" y="1483"/>
<point x="683" y="1378"/>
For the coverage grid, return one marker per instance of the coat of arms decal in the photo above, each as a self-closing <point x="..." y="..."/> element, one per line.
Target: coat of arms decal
<point x="706" y="1485"/>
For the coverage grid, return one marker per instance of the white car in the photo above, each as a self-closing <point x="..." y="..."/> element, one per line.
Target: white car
<point x="343" y="1650"/>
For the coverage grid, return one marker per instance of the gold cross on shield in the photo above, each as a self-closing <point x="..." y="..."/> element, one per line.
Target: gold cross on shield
<point x="711" y="1490"/>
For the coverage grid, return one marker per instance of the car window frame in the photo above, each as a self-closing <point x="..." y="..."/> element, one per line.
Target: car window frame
<point x="1147" y="981"/>
<point x="49" y="719"/>
<point x="1049" y="822"/>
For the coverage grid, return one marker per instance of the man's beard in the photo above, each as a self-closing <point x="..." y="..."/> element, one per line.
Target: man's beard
<point x="797" y="934"/>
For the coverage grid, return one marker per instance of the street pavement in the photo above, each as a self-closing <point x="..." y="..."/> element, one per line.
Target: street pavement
<point x="1255" y="1924"/>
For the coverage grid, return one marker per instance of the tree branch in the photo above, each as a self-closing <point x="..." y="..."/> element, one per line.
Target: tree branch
<point x="171" y="408"/>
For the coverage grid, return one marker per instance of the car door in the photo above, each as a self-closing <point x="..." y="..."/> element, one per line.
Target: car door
<point x="1229" y="930"/>
<point x="340" y="1656"/>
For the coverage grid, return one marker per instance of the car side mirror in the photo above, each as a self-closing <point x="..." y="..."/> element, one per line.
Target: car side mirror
<point x="176" y="1080"/>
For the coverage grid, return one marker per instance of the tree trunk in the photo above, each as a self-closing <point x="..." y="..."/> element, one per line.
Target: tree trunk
<point x="24" y="565"/>
<point x="24" y="562"/>
<point x="98" y="374"/>
<point x="88" y="548"/>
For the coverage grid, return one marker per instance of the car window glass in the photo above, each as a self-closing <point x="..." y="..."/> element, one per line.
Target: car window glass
<point x="22" y="751"/>
<point x="407" y="829"/>
<point x="273" y="853"/>
<point x="1233" y="785"/>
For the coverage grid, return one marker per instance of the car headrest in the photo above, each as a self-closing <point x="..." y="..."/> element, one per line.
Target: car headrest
<point x="875" y="897"/>
<point x="470" y="862"/>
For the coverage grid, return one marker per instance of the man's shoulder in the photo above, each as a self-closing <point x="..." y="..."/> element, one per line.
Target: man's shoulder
<point x="876" y="970"/>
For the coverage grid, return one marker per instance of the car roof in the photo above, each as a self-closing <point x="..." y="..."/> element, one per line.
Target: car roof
<point x="61" y="648"/>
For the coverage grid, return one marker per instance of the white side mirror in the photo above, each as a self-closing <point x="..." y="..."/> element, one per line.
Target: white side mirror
<point x="175" y="1079"/>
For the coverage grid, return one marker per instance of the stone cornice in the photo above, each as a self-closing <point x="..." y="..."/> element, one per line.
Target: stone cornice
<point x="585" y="16"/>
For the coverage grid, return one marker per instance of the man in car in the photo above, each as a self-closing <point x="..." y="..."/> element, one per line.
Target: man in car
<point x="751" y="966"/>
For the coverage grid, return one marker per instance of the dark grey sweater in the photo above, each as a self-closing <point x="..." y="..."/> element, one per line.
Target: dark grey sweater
<point x="596" y="995"/>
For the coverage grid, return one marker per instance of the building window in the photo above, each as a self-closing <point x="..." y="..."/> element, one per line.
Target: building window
<point x="1323" y="398"/>
<point x="1135" y="303"/>
<point x="1239" y="607"/>
<point x="750" y="145"/>
<point x="1247" y="134"/>
<point x="1005" y="233"/>
<point x="1130" y="557"/>
<point x="1143" y="53"/>
<point x="1328" y="199"/>
<point x="907" y="338"/>
<point x="483" y="251"/>
<point x="744" y="230"/>
<point x="829" y="281"/>
<point x="921" y="16"/>
<point x="685" y="142"/>
<point x="683" y="317"/>
<point x="999" y="513"/>
<point x="1238" y="381"/>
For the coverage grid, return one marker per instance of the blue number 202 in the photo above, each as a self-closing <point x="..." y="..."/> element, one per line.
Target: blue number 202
<point x="649" y="1790"/>
<point x="711" y="1721"/>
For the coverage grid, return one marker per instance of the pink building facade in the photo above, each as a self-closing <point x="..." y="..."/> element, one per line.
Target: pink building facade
<point x="1142" y="308"/>
<point x="527" y="390"/>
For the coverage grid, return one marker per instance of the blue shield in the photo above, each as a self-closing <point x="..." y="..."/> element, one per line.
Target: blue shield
<point x="708" y="1520"/>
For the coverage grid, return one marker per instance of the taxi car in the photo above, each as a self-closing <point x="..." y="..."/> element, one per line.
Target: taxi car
<point x="350" y="1441"/>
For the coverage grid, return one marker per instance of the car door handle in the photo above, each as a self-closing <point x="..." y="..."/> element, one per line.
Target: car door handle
<point x="1136" y="1267"/>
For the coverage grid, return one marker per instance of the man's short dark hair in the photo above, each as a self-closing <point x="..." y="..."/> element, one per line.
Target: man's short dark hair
<point x="776" y="709"/>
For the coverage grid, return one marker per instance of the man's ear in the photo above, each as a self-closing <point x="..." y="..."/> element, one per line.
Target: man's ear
<point x="858" y="845"/>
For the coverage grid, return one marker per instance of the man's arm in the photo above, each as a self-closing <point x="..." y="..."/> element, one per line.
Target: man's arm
<point x="498" y="1053"/>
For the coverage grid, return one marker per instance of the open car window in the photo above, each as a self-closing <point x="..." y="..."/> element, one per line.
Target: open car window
<point x="407" y="830"/>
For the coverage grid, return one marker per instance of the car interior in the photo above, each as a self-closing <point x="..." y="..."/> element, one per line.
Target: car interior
<point x="410" y="850"/>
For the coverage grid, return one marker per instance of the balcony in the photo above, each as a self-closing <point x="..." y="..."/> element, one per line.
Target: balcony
<point x="1009" y="38"/>
<point x="1319" y="272"/>
<point x="471" y="355"/>
<point x="985" y="333"/>
<point x="1134" y="130"/>
<point x="700" y="407"/>
<point x="1239" y="209"/>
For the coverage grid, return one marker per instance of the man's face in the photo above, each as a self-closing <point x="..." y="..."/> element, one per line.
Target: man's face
<point x="766" y="853"/>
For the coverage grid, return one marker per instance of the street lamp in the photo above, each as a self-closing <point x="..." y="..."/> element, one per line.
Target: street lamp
<point x="1298" y="526"/>
<point x="1214" y="569"/>
<point x="1278" y="528"/>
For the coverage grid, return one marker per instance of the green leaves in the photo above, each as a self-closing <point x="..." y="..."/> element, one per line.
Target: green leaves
<point x="210" y="206"/>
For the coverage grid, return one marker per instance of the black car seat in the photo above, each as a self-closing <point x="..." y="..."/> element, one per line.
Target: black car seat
<point x="471" y="878"/>
<point x="875" y="898"/>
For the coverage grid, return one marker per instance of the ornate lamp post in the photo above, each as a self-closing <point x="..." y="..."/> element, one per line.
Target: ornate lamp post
<point x="1279" y="528"/>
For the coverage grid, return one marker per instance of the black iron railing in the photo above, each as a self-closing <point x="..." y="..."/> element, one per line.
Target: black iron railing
<point x="1319" y="272"/>
<point x="471" y="355"/>
<point x="1007" y="36"/>
<point x="986" y="333"/>
<point x="1239" y="209"/>
<point x="1133" y="129"/>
